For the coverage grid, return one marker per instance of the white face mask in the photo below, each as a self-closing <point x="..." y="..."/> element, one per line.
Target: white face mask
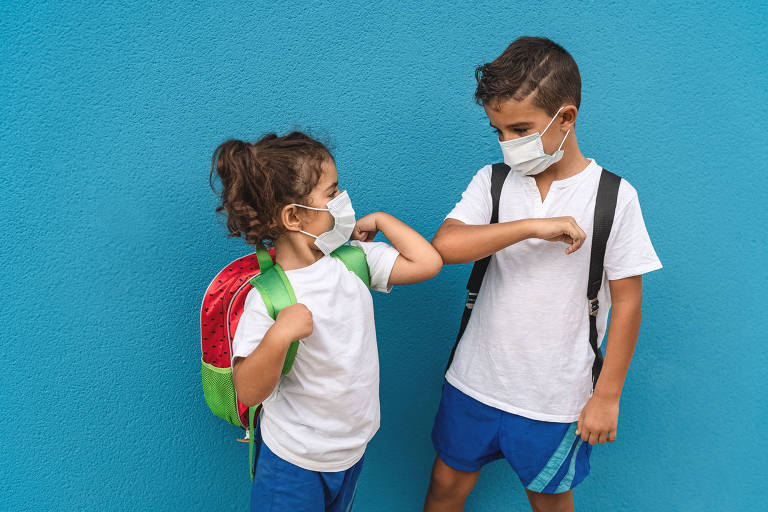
<point x="526" y="154"/>
<point x="344" y="222"/>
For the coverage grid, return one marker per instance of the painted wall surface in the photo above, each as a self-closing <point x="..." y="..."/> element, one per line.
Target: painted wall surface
<point x="108" y="237"/>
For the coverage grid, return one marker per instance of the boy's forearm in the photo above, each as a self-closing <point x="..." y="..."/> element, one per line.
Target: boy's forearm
<point x="419" y="260"/>
<point x="463" y="243"/>
<point x="256" y="376"/>
<point x="626" y="315"/>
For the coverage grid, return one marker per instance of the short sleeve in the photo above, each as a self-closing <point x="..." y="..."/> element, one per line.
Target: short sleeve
<point x="475" y="206"/>
<point x="252" y="327"/>
<point x="629" y="251"/>
<point x="381" y="258"/>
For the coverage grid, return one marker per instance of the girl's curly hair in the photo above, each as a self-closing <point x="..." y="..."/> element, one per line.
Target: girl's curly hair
<point x="259" y="179"/>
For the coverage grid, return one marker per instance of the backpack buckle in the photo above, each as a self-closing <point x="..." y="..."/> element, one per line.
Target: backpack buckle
<point x="594" y="306"/>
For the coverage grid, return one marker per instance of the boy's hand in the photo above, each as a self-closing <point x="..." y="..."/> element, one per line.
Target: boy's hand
<point x="560" y="229"/>
<point x="599" y="420"/>
<point x="365" y="228"/>
<point x="294" y="322"/>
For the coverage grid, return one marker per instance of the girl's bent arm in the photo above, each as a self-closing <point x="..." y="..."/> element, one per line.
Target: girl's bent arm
<point x="418" y="260"/>
<point x="256" y="376"/>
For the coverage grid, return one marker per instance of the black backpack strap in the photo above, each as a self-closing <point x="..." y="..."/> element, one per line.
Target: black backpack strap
<point x="605" y="208"/>
<point x="499" y="174"/>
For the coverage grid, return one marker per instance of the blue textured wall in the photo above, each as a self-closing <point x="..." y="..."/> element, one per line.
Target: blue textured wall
<point x="108" y="235"/>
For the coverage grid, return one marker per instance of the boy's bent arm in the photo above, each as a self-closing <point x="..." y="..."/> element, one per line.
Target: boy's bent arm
<point x="458" y="242"/>
<point x="599" y="419"/>
<point x="463" y="243"/>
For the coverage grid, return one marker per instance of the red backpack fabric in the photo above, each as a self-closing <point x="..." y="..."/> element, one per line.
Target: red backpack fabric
<point x="220" y="313"/>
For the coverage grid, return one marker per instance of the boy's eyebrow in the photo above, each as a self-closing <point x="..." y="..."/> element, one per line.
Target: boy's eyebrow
<point x="522" y="124"/>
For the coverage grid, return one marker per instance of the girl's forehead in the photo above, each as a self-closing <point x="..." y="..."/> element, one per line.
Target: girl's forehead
<point x="330" y="175"/>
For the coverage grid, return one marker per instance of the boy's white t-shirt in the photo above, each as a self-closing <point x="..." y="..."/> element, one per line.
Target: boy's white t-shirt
<point x="323" y="412"/>
<point x="526" y="347"/>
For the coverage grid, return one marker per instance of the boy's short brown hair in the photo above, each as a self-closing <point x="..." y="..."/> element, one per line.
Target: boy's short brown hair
<point x="530" y="65"/>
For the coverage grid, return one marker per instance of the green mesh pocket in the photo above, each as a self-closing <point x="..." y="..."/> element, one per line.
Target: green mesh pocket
<point x="219" y="391"/>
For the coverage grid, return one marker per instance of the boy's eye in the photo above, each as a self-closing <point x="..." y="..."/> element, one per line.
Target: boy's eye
<point x="520" y="131"/>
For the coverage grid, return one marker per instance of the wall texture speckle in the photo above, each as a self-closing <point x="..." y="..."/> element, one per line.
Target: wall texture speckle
<point x="108" y="235"/>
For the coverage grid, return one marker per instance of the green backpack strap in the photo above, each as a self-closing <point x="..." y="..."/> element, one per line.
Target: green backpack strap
<point x="264" y="259"/>
<point x="251" y="420"/>
<point x="277" y="294"/>
<point x="354" y="259"/>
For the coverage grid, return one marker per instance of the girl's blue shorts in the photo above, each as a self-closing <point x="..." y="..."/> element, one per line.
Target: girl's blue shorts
<point x="548" y="457"/>
<point x="279" y="486"/>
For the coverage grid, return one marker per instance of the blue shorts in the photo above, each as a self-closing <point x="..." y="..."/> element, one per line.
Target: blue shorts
<point x="280" y="486"/>
<point x="547" y="457"/>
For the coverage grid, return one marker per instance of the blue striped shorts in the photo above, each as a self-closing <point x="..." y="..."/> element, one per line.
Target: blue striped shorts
<point x="548" y="457"/>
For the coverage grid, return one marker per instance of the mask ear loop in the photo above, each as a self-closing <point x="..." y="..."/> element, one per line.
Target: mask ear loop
<point x="563" y="142"/>
<point x="552" y="121"/>
<point x="310" y="208"/>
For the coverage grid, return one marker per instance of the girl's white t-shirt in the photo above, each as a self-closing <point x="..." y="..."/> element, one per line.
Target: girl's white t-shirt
<point x="526" y="348"/>
<point x="322" y="414"/>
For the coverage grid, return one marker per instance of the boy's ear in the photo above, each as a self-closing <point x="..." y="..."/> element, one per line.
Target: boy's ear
<point x="568" y="117"/>
<point x="289" y="216"/>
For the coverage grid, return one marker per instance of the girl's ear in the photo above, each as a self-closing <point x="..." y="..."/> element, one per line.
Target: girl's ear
<point x="289" y="216"/>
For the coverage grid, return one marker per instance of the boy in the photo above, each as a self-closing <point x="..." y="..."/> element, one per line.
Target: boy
<point x="520" y="385"/>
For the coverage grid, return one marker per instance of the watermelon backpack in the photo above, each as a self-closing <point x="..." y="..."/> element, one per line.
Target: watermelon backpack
<point x="222" y="308"/>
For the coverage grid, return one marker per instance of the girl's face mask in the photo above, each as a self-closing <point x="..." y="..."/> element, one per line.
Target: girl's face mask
<point x="344" y="223"/>
<point x="526" y="154"/>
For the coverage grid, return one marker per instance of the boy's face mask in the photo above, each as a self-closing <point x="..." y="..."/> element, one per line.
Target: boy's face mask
<point x="344" y="222"/>
<point x="526" y="154"/>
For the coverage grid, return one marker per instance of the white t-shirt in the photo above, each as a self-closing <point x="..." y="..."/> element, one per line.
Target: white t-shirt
<point x="526" y="348"/>
<point x="323" y="412"/>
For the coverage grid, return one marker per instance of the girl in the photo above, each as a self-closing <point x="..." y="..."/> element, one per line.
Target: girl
<point x="318" y="418"/>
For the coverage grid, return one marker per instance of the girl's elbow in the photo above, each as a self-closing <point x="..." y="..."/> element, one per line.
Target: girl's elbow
<point x="434" y="266"/>
<point x="245" y="395"/>
<point x="248" y="399"/>
<point x="427" y="268"/>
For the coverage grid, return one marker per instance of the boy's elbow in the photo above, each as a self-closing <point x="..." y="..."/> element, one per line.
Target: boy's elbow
<point x="444" y="248"/>
<point x="440" y="244"/>
<point x="448" y="241"/>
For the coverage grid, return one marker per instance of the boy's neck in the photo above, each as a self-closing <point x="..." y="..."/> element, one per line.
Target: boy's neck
<point x="294" y="253"/>
<point x="572" y="163"/>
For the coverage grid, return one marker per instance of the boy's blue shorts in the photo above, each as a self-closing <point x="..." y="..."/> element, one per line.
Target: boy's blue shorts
<point x="280" y="486"/>
<point x="548" y="457"/>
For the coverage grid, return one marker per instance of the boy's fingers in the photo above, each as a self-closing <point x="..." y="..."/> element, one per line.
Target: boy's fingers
<point x="612" y="436"/>
<point x="575" y="244"/>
